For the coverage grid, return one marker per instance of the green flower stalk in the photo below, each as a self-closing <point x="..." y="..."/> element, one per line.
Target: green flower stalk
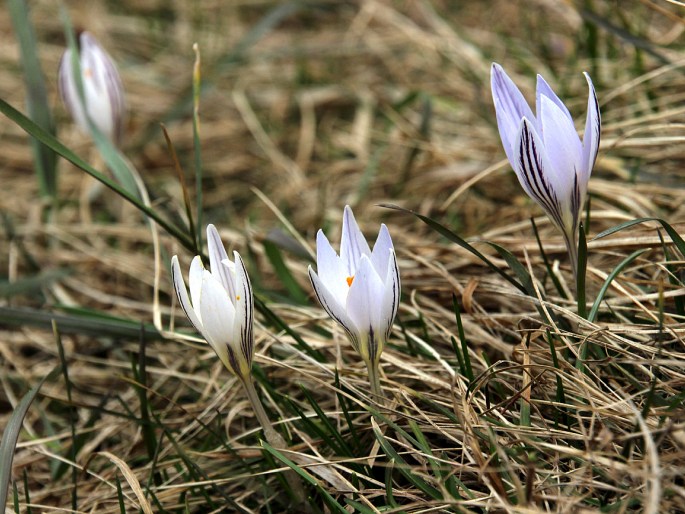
<point x="359" y="289"/>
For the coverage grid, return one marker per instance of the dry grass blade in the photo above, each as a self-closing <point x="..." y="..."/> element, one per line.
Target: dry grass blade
<point x="131" y="480"/>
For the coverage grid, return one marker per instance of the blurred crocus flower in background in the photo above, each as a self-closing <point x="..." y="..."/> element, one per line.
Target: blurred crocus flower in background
<point x="551" y="162"/>
<point x="103" y="92"/>
<point x="222" y="307"/>
<point x="359" y="289"/>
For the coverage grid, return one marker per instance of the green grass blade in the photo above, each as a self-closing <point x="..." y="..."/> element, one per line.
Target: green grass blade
<point x="48" y="139"/>
<point x="447" y="233"/>
<point x="276" y="321"/>
<point x="518" y="268"/>
<point x="405" y="468"/>
<point x="600" y="296"/>
<point x="341" y="448"/>
<point x="45" y="160"/>
<point x="77" y="324"/>
<point x="330" y="501"/>
<point x="27" y="495"/>
<point x="295" y="292"/>
<point x="11" y="434"/>
<point x="582" y="273"/>
<point x="463" y="354"/>
<point x="73" y="415"/>
<point x="673" y="277"/>
<point x="32" y="285"/>
<point x="672" y="233"/>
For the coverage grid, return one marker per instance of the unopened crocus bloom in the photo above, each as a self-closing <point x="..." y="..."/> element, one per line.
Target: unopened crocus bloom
<point x="552" y="164"/>
<point x="221" y="305"/>
<point x="103" y="92"/>
<point x="359" y="289"/>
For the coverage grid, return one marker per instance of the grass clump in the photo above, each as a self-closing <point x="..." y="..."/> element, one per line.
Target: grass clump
<point x="502" y="393"/>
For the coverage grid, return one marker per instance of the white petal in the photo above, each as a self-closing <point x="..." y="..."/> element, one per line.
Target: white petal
<point x="217" y="254"/>
<point x="69" y="92"/>
<point x="244" y="314"/>
<point x="353" y="244"/>
<point x="592" y="131"/>
<point x="365" y="299"/>
<point x="391" y="295"/>
<point x="531" y="167"/>
<point x="334" y="309"/>
<point x="364" y="305"/>
<point x="104" y="92"/>
<point x="510" y="108"/>
<point x="331" y="269"/>
<point x="218" y="316"/>
<point x="182" y="294"/>
<point x="543" y="90"/>
<point x="562" y="146"/>
<point x="381" y="249"/>
<point x="195" y="283"/>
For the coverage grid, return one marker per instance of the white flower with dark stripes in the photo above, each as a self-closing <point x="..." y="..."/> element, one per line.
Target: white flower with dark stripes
<point x="222" y="307"/>
<point x="103" y="92"/>
<point x="359" y="289"/>
<point x="551" y="162"/>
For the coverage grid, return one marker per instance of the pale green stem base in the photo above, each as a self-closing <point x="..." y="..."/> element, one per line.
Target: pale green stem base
<point x="374" y="381"/>
<point x="273" y="438"/>
<point x="572" y="249"/>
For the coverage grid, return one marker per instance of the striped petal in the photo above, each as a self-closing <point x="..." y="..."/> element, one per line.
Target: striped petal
<point x="334" y="309"/>
<point x="531" y="163"/>
<point x="243" y="337"/>
<point x="391" y="295"/>
<point x="591" y="138"/>
<point x="331" y="269"/>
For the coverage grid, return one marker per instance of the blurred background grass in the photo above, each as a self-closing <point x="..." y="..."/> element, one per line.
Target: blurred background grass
<point x="316" y="105"/>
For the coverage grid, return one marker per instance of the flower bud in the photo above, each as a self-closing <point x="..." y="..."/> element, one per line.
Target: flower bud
<point x="103" y="92"/>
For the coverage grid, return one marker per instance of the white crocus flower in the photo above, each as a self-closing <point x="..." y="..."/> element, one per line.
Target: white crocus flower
<point x="103" y="92"/>
<point x="551" y="162"/>
<point x="360" y="288"/>
<point x="222" y="307"/>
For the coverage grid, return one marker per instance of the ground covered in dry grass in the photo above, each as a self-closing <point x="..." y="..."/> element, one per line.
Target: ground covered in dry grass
<point x="512" y="402"/>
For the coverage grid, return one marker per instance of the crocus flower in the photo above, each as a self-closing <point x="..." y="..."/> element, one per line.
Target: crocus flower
<point x="103" y="92"/>
<point x="551" y="162"/>
<point x="359" y="289"/>
<point x="222" y="307"/>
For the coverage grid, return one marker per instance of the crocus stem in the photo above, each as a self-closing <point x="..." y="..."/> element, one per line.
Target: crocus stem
<point x="273" y="437"/>
<point x="572" y="249"/>
<point x="374" y="380"/>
